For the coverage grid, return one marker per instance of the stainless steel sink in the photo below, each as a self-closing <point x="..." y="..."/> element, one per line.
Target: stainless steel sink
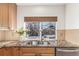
<point x="40" y="43"/>
<point x="35" y="43"/>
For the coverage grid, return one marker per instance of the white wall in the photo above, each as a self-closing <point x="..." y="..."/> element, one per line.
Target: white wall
<point x="72" y="16"/>
<point x="72" y="22"/>
<point x="55" y="10"/>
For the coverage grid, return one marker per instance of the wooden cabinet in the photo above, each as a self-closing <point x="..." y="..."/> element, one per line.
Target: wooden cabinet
<point x="37" y="51"/>
<point x="9" y="51"/>
<point x="15" y="51"/>
<point x="2" y="51"/>
<point x="12" y="16"/>
<point x="4" y="16"/>
<point x="5" y="51"/>
<point x="7" y="15"/>
<point x="23" y="51"/>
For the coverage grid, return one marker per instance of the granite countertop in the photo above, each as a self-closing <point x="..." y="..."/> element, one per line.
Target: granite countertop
<point x="16" y="43"/>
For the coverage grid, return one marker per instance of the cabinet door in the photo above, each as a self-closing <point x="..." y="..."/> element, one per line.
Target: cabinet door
<point x="15" y="51"/>
<point x="37" y="51"/>
<point x="8" y="51"/>
<point x="8" y="15"/>
<point x="27" y="51"/>
<point x="2" y="51"/>
<point x="5" y="52"/>
<point x="12" y="15"/>
<point x="45" y="50"/>
<point x="0" y="16"/>
<point x="4" y="17"/>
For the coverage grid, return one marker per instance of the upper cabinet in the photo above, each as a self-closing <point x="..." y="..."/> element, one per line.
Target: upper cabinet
<point x="12" y="16"/>
<point x="8" y="13"/>
<point x="4" y="16"/>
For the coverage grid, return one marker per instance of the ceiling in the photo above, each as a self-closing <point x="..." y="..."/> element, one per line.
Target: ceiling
<point x="40" y="3"/>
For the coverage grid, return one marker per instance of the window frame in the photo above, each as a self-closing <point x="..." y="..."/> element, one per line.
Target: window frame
<point x="40" y="33"/>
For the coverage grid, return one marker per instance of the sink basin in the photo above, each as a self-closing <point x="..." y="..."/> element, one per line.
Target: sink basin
<point x="39" y="43"/>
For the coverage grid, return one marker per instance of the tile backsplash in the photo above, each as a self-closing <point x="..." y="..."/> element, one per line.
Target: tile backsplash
<point x="11" y="35"/>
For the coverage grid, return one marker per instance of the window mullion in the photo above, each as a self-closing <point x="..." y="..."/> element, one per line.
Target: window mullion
<point x="40" y="31"/>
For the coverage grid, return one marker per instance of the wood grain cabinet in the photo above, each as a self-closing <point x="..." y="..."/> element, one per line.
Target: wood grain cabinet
<point x="8" y="15"/>
<point x="4" y="15"/>
<point x="2" y="51"/>
<point x="15" y="51"/>
<point x="37" y="51"/>
<point x="23" y="51"/>
<point x="12" y="16"/>
<point x="5" y="52"/>
<point x="9" y="51"/>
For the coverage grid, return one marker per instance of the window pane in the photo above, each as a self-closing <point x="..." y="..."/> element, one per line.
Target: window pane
<point x="48" y="30"/>
<point x="33" y="28"/>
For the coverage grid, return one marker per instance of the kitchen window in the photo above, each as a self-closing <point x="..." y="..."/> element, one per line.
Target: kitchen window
<point x="40" y="30"/>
